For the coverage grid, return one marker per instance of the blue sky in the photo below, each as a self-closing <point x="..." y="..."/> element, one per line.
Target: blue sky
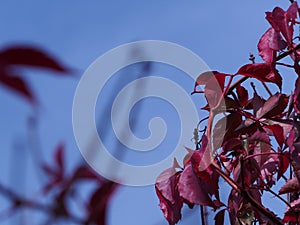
<point x="222" y="33"/>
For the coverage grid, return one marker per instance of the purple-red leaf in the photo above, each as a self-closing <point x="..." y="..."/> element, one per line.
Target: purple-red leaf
<point x="30" y="56"/>
<point x="193" y="189"/>
<point x="277" y="132"/>
<point x="269" y="43"/>
<point x="296" y="96"/>
<point x="273" y="106"/>
<point x="167" y="191"/>
<point x="18" y="85"/>
<point x="261" y="71"/>
<point x="214" y="85"/>
<point x="284" y="21"/>
<point x="242" y="95"/>
<point x="219" y="218"/>
<point x="283" y="164"/>
<point x="259" y="136"/>
<point x="225" y="129"/>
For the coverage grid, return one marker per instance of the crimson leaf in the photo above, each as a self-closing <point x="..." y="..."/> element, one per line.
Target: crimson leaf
<point x="29" y="56"/>
<point x="261" y="71"/>
<point x="193" y="189"/>
<point x="219" y="218"/>
<point x="18" y="85"/>
<point x="273" y="106"/>
<point x="167" y="191"/>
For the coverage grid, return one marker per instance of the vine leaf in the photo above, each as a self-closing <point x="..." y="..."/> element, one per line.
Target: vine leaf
<point x="167" y="191"/>
<point x="14" y="57"/>
<point x="264" y="72"/>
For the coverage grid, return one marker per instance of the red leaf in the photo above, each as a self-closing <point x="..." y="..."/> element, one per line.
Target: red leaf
<point x="205" y="77"/>
<point x="268" y="169"/>
<point x="292" y="185"/>
<point x="214" y="89"/>
<point x="284" y="21"/>
<point x="242" y="95"/>
<point x="193" y="189"/>
<point x="225" y="129"/>
<point x="273" y="106"/>
<point x="257" y="103"/>
<point x="29" y="56"/>
<point x="283" y="164"/>
<point x="261" y="71"/>
<point x="18" y="85"/>
<point x="214" y="85"/>
<point x="167" y="191"/>
<point x="232" y="144"/>
<point x="269" y="43"/>
<point x="277" y="132"/>
<point x="219" y="218"/>
<point x="296" y="96"/>
<point x="56" y="172"/>
<point x="259" y="136"/>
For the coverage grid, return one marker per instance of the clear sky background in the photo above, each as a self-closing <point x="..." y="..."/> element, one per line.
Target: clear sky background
<point x="222" y="33"/>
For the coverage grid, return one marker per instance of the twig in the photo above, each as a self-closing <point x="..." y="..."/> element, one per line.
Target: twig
<point x="267" y="89"/>
<point x="202" y="214"/>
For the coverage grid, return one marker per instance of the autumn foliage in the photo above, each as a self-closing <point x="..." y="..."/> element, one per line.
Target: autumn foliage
<point x="61" y="188"/>
<point x="251" y="142"/>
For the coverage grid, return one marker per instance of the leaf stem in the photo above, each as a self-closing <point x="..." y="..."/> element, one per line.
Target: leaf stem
<point x="202" y="215"/>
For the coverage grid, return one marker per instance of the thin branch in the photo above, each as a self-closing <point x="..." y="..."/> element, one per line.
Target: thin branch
<point x="267" y="89"/>
<point x="284" y="64"/>
<point x="279" y="197"/>
<point x="248" y="197"/>
<point x="19" y="202"/>
<point x="202" y="214"/>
